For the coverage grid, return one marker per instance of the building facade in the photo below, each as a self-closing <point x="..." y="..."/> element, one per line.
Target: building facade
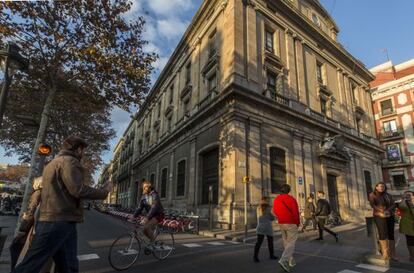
<point x="260" y="89"/>
<point x="393" y="98"/>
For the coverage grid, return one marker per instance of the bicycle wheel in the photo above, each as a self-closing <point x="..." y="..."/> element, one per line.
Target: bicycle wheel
<point x="164" y="244"/>
<point x="124" y="251"/>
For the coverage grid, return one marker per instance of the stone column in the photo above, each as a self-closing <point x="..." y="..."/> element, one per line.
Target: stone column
<point x="298" y="187"/>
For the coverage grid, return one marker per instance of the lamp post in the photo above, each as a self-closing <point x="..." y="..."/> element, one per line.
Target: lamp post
<point x="10" y="62"/>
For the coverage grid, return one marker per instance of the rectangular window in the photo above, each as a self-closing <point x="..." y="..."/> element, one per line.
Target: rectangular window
<point x="271" y="84"/>
<point x="277" y="169"/>
<point x="188" y="73"/>
<point x="269" y="43"/>
<point x="171" y="94"/>
<point x="152" y="178"/>
<point x="159" y="110"/>
<point x="212" y="83"/>
<point x="323" y="106"/>
<point x="319" y="74"/>
<point x="164" y="177"/>
<point x="368" y="182"/>
<point x="181" y="178"/>
<point x="386" y="107"/>
<point x="399" y="180"/>
<point x="390" y="126"/>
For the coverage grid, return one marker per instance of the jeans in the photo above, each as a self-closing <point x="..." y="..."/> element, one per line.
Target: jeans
<point x="289" y="236"/>
<point x="260" y="238"/>
<point x="52" y="239"/>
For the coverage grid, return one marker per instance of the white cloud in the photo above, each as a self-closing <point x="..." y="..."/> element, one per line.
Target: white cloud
<point x="171" y="28"/>
<point x="169" y="7"/>
<point x="150" y="47"/>
<point x="160" y="63"/>
<point x="150" y="30"/>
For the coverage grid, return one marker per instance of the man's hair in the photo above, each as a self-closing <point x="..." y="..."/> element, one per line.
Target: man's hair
<point x="285" y="188"/>
<point x="321" y="192"/>
<point x="74" y="142"/>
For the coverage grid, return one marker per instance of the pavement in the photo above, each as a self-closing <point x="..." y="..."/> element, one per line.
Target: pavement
<point x="226" y="251"/>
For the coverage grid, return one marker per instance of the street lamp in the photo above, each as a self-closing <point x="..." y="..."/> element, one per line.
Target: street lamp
<point x="10" y="62"/>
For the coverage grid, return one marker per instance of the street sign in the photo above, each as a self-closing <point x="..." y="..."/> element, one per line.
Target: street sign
<point x="300" y="180"/>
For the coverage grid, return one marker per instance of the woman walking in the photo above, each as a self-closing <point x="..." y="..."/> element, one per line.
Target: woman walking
<point x="264" y="228"/>
<point x="383" y="207"/>
<point x="406" y="208"/>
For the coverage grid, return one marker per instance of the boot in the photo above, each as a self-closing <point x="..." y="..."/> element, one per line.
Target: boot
<point x="411" y="251"/>
<point x="384" y="249"/>
<point x="392" y="250"/>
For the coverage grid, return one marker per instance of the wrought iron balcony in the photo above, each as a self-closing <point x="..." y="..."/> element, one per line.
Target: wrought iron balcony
<point x="388" y="135"/>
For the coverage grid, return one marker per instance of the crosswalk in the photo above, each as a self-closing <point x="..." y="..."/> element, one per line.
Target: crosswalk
<point x="372" y="268"/>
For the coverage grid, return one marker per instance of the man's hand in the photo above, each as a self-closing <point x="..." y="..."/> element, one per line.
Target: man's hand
<point x="144" y="220"/>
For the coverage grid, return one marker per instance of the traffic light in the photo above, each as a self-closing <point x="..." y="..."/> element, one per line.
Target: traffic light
<point x="44" y="149"/>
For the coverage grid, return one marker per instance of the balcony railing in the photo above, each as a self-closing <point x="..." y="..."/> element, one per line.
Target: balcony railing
<point x="404" y="161"/>
<point x="392" y="134"/>
<point x="387" y="112"/>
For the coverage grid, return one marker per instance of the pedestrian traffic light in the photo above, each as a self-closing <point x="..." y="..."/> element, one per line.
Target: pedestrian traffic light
<point x="44" y="149"/>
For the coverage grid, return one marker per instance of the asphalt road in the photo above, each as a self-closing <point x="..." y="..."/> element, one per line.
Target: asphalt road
<point x="210" y="255"/>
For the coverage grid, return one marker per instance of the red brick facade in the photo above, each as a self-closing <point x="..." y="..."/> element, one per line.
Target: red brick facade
<point x="393" y="100"/>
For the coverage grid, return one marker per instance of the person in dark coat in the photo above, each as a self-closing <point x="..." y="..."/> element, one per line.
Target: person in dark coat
<point x="323" y="209"/>
<point x="309" y="214"/>
<point x="264" y="228"/>
<point x="383" y="207"/>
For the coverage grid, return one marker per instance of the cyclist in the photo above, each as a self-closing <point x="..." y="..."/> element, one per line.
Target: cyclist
<point x="150" y="201"/>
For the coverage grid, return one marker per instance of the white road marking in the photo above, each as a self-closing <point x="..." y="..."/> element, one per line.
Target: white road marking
<point x="192" y="245"/>
<point x="349" y="271"/>
<point x="216" y="243"/>
<point x="86" y="257"/>
<point x="373" y="267"/>
<point x="234" y="242"/>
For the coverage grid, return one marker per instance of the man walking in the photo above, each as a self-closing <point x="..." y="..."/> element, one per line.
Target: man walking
<point x="60" y="210"/>
<point x="286" y="208"/>
<point x="309" y="214"/>
<point x="323" y="209"/>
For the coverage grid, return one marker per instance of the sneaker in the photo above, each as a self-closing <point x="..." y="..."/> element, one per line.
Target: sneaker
<point x="292" y="262"/>
<point x="285" y="266"/>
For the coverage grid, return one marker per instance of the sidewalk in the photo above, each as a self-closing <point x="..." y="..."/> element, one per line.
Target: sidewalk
<point x="353" y="245"/>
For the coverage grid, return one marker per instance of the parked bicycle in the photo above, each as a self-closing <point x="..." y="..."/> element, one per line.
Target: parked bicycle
<point x="126" y="249"/>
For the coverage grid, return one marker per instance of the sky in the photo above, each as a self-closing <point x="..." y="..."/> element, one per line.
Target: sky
<point x="367" y="27"/>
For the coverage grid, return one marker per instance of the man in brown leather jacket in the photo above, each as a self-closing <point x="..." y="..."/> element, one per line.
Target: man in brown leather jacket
<point x="60" y="210"/>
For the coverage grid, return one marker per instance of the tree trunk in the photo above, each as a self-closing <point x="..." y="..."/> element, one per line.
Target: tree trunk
<point x="36" y="163"/>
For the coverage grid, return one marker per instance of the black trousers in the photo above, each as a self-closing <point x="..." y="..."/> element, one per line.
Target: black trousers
<point x="259" y="242"/>
<point x="385" y="227"/>
<point x="321" y="227"/>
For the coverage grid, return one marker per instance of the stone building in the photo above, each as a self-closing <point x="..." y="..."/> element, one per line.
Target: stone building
<point x="393" y="98"/>
<point x="260" y="89"/>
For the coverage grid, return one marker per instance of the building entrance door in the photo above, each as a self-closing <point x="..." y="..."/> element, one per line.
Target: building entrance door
<point x="333" y="193"/>
<point x="210" y="176"/>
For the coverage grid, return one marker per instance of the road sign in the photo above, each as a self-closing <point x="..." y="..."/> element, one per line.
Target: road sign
<point x="300" y="180"/>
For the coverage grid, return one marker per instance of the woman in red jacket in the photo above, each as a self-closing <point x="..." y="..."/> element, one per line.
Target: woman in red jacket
<point x="286" y="209"/>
